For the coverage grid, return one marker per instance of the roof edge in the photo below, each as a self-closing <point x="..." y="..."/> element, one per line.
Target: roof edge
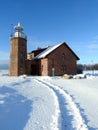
<point x="71" y="50"/>
<point x="52" y="48"/>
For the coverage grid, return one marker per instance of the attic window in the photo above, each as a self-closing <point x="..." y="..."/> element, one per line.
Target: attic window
<point x="63" y="56"/>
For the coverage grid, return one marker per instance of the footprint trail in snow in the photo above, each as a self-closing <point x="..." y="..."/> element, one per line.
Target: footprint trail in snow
<point x="68" y="117"/>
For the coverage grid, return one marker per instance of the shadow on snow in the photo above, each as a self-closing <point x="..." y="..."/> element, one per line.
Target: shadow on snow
<point x="14" y="110"/>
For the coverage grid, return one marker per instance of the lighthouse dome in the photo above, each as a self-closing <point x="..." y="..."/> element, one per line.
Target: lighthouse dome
<point x="18" y="31"/>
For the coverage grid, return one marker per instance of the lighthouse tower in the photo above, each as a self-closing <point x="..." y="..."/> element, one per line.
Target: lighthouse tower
<point x="18" y="52"/>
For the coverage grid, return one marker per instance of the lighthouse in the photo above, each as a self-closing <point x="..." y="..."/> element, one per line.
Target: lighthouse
<point x="18" y="52"/>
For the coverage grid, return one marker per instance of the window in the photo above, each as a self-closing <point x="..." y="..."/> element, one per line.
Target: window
<point x="21" y="70"/>
<point x="63" y="68"/>
<point x="42" y="68"/>
<point x="52" y="63"/>
<point x="21" y="54"/>
<point x="63" y="56"/>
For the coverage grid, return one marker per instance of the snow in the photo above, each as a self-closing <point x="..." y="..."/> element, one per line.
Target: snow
<point x="48" y="103"/>
<point x="47" y="51"/>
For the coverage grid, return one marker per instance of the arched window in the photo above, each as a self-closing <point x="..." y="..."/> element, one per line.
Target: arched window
<point x="63" y="56"/>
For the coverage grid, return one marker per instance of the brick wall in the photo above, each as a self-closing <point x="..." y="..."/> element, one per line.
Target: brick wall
<point x="61" y="61"/>
<point x="44" y="67"/>
<point x="18" y="55"/>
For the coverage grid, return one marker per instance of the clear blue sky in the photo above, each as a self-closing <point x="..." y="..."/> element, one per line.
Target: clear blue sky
<point x="47" y="22"/>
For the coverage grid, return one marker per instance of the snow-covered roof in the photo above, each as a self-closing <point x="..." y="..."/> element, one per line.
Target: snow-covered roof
<point x="47" y="51"/>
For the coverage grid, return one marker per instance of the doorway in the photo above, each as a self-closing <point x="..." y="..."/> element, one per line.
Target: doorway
<point x="34" y="70"/>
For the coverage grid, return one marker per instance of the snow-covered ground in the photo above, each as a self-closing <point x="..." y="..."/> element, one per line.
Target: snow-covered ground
<point x="48" y="103"/>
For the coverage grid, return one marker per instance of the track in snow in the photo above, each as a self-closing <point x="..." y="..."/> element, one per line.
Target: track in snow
<point x="70" y="117"/>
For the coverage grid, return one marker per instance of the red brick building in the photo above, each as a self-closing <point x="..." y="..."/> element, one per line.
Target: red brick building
<point x="54" y="60"/>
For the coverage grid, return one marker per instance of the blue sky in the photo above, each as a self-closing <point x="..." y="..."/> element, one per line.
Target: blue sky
<point x="48" y="22"/>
